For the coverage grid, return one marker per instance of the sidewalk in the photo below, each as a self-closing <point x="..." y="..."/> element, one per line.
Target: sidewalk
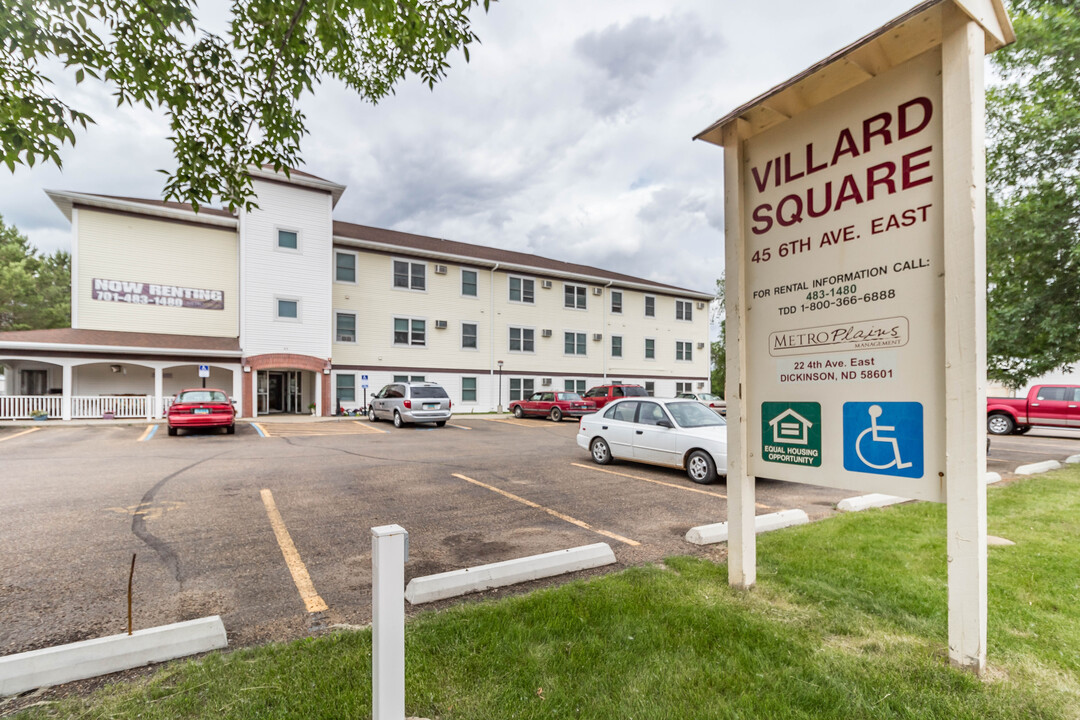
<point x="274" y="418"/>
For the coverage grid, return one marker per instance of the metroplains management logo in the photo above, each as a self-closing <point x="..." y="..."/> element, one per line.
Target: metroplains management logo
<point x="845" y="337"/>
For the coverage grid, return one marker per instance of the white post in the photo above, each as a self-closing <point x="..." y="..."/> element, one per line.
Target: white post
<point x="388" y="555"/>
<point x="238" y="388"/>
<point x="149" y="407"/>
<point x="963" y="106"/>
<point x="319" y="380"/>
<point x="742" y="542"/>
<point x="65" y="398"/>
<point x="159" y="390"/>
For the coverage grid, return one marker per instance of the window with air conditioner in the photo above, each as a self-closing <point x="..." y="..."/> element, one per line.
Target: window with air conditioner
<point x="616" y="302"/>
<point x="345" y="327"/>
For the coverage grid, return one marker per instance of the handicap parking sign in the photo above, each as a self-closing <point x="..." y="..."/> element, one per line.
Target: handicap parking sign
<point x="884" y="438"/>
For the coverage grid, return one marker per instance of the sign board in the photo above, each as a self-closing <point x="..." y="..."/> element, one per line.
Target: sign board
<point x="204" y="371"/>
<point x="844" y="273"/>
<point x="140" y="293"/>
<point x="363" y="381"/>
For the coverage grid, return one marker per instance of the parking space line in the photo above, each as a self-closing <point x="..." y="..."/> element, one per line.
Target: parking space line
<point x="259" y="429"/>
<point x="661" y="482"/>
<point x="19" y="434"/>
<point x="1020" y="445"/>
<point x="459" y="427"/>
<point x="549" y="511"/>
<point x="148" y="433"/>
<point x="509" y="421"/>
<point x="299" y="572"/>
<point x="369" y="428"/>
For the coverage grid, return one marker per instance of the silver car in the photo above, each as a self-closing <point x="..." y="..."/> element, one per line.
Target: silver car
<point x="410" y="402"/>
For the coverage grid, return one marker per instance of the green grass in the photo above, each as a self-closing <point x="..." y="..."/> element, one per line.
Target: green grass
<point x="848" y="621"/>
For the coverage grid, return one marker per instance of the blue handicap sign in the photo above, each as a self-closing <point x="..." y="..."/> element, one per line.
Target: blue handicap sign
<point x="884" y="438"/>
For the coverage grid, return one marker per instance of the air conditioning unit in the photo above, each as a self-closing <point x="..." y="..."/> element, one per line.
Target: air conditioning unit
<point x="597" y="336"/>
<point x="346" y="338"/>
<point x="700" y="385"/>
<point x="440" y="324"/>
<point x="545" y="333"/>
<point x="598" y="291"/>
<point x="701" y="306"/>
<point x="546" y="382"/>
<point x="701" y="346"/>
<point x="546" y="284"/>
<point x="440" y="269"/>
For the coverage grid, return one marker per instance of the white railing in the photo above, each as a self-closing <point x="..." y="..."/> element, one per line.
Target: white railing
<point x="119" y="406"/>
<point x="166" y="403"/>
<point x="19" y="407"/>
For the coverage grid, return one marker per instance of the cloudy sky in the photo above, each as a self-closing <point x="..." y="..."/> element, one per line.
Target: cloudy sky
<point x="568" y="134"/>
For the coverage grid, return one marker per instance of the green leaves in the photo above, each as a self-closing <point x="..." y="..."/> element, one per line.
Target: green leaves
<point x="1033" y="219"/>
<point x="232" y="102"/>
<point x="35" y="289"/>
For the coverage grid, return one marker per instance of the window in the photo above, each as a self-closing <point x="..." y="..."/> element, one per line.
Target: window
<point x="288" y="240"/>
<point x="684" y="387"/>
<point x="522" y="339"/>
<point x="345" y="327"/>
<point x="522" y="290"/>
<point x="468" y="389"/>
<point x="577" y="386"/>
<point x="288" y="309"/>
<point x="410" y="275"/>
<point x="684" y="310"/>
<point x="346" y="388"/>
<point x="408" y="378"/>
<point x="574" y="296"/>
<point x="409" y="331"/>
<point x="345" y="267"/>
<point x="468" y="283"/>
<point x="468" y="336"/>
<point x="684" y="350"/>
<point x="650" y="306"/>
<point x="650" y="388"/>
<point x="651" y="413"/>
<point x="650" y="349"/>
<point x="1054" y="393"/>
<point x="624" y="411"/>
<point x="520" y="388"/>
<point x="616" y="302"/>
<point x="574" y="343"/>
<point x="616" y="346"/>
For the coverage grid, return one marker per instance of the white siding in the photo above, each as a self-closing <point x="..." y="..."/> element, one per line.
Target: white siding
<point x="269" y="273"/>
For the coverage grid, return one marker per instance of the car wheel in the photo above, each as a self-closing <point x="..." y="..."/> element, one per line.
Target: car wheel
<point x="440" y="423"/>
<point x="172" y="431"/>
<point x="398" y="422"/>
<point x="1000" y="424"/>
<point x="556" y="414"/>
<point x="700" y="467"/>
<point x="371" y="416"/>
<point x="518" y="412"/>
<point x="231" y="429"/>
<point x="601" y="453"/>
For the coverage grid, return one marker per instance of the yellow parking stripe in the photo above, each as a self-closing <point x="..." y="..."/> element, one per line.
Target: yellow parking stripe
<point x="549" y="511"/>
<point x="459" y="427"/>
<point x="19" y="434"/>
<point x="261" y="429"/>
<point x="145" y="433"/>
<point x="512" y="421"/>
<point x="370" y="428"/>
<point x="299" y="572"/>
<point x="659" y="482"/>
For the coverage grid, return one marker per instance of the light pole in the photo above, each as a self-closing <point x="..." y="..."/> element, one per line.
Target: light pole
<point x="500" y="385"/>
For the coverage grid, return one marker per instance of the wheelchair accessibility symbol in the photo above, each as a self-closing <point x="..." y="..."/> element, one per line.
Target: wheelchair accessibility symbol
<point x="884" y="438"/>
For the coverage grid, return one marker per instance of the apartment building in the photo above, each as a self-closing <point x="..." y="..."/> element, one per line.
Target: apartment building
<point x="291" y="310"/>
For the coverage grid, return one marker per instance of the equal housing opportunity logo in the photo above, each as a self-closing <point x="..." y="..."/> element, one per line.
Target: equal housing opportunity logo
<point x="844" y="337"/>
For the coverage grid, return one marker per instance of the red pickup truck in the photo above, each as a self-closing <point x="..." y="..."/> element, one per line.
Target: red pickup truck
<point x="1045" y="405"/>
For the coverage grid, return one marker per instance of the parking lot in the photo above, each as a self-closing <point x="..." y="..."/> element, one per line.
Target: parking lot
<point x="270" y="527"/>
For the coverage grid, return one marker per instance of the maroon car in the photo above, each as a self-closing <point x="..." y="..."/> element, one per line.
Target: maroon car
<point x="555" y="405"/>
<point x="603" y="394"/>
<point x="202" y="408"/>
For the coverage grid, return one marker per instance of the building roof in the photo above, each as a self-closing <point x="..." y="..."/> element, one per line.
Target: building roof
<point x="481" y="254"/>
<point x="203" y="209"/>
<point x="74" y="339"/>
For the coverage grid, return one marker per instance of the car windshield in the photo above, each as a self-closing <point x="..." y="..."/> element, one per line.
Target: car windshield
<point x="635" y="391"/>
<point x="203" y="396"/>
<point x="429" y="392"/>
<point x="709" y="397"/>
<point x="692" y="415"/>
<point x="572" y="397"/>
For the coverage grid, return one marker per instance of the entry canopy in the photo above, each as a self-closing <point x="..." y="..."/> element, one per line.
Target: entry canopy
<point x="894" y="43"/>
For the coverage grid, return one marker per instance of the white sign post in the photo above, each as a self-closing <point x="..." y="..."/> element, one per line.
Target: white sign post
<point x="855" y="285"/>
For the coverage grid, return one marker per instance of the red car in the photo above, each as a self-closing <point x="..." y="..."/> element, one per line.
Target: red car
<point x="200" y="408"/>
<point x="555" y="405"/>
<point x="603" y="394"/>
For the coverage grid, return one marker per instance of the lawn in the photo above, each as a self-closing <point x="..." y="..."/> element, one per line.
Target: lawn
<point x="848" y="621"/>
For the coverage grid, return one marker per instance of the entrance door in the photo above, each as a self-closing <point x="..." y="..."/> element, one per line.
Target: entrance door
<point x="276" y="381"/>
<point x="263" y="392"/>
<point x="294" y="402"/>
<point x="34" y="382"/>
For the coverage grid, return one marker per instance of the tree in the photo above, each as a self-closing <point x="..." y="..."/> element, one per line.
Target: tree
<point x="35" y="289"/>
<point x="1033" y="218"/>
<point x="718" y="374"/>
<point x="232" y="100"/>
